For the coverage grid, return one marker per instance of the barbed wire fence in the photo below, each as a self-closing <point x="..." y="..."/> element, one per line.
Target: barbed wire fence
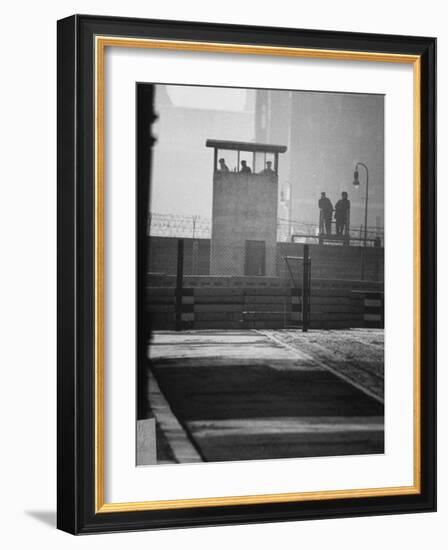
<point x="199" y="227"/>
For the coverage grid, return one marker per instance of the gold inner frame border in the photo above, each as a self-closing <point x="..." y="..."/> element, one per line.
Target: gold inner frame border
<point x="100" y="44"/>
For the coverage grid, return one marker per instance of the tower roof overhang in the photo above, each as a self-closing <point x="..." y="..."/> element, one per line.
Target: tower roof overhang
<point x="245" y="146"/>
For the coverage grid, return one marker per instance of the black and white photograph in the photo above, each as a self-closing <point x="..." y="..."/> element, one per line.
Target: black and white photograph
<point x="219" y="288"/>
<point x="260" y="301"/>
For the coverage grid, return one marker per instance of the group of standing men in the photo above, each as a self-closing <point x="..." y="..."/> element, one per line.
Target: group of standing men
<point x="245" y="169"/>
<point x="341" y="213"/>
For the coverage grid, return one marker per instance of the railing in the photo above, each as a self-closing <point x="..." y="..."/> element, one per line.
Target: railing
<point x="199" y="227"/>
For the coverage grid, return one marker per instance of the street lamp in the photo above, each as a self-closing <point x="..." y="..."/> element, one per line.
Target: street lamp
<point x="356" y="183"/>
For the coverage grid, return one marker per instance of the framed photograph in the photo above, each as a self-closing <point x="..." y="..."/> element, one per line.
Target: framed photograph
<point x="246" y="274"/>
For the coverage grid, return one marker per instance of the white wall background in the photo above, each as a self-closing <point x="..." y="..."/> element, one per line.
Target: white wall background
<point x="28" y="273"/>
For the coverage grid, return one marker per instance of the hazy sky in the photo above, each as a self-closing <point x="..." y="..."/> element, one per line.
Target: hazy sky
<point x="199" y="97"/>
<point x="182" y="177"/>
<point x="326" y="134"/>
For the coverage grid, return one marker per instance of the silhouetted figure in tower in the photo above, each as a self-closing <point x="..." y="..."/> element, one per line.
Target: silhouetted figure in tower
<point x="223" y="166"/>
<point x="244" y="168"/>
<point x="268" y="170"/>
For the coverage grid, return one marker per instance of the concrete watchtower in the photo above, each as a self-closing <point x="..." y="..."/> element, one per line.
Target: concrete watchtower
<point x="244" y="216"/>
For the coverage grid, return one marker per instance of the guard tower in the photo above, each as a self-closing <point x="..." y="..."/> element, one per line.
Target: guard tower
<point x="244" y="216"/>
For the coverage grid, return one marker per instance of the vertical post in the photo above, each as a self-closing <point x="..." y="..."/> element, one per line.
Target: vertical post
<point x="362" y="255"/>
<point x="305" y="288"/>
<point x="365" y="226"/>
<point x="195" y="257"/>
<point x="321" y="226"/>
<point x="356" y="182"/>
<point x="179" y="283"/>
<point x="289" y="208"/>
<point x="145" y="141"/>
<point x="367" y="204"/>
<point x="347" y="230"/>
<point x="364" y="249"/>
<point x="363" y="262"/>
<point x="215" y="160"/>
<point x="309" y="291"/>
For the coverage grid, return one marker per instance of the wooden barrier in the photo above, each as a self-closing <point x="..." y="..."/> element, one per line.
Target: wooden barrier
<point x="332" y="306"/>
<point x="373" y="307"/>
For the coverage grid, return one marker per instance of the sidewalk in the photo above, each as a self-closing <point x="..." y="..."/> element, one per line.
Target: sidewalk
<point x="237" y="395"/>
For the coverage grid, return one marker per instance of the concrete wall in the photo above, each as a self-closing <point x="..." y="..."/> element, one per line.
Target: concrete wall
<point x="244" y="208"/>
<point x="163" y="256"/>
<point x="334" y="262"/>
<point x="328" y="262"/>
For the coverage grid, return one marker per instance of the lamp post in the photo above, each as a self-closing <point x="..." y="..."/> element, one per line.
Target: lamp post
<point x="356" y="183"/>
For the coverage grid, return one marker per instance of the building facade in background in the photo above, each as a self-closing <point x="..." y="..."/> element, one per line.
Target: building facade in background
<point x="326" y="134"/>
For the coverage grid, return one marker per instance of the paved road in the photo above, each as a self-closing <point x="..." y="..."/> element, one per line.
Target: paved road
<point x="237" y="395"/>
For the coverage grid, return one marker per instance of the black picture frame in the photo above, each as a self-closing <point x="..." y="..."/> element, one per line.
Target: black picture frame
<point x="76" y="475"/>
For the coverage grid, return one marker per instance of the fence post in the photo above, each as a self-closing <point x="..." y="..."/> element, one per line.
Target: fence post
<point x="321" y="226"/>
<point x="179" y="283"/>
<point x="347" y="230"/>
<point x="306" y="279"/>
<point x="145" y="141"/>
<point x="195" y="257"/>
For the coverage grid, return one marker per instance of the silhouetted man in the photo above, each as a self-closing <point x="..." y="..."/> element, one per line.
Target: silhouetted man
<point x="244" y="168"/>
<point x="341" y="214"/>
<point x="223" y="166"/>
<point x="268" y="170"/>
<point x="327" y="210"/>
